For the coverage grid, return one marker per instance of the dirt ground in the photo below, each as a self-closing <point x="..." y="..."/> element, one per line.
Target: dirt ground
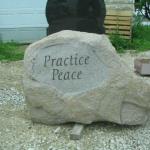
<point x="11" y="74"/>
<point x="18" y="132"/>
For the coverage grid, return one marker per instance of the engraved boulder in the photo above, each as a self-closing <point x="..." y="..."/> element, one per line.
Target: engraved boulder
<point x="75" y="76"/>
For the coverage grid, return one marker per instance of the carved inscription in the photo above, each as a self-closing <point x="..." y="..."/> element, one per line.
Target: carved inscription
<point x="58" y="63"/>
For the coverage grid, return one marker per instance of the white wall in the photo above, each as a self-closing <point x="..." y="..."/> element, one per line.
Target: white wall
<point x="22" y="15"/>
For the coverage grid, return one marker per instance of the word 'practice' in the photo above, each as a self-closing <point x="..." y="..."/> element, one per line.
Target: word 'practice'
<point x="72" y="60"/>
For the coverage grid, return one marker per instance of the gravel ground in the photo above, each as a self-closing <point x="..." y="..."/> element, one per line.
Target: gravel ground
<point x="17" y="132"/>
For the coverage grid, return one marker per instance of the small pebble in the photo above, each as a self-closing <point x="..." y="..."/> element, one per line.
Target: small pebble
<point x="57" y="130"/>
<point x="11" y="96"/>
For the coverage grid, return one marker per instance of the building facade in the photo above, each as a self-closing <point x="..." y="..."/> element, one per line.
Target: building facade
<point x="25" y="21"/>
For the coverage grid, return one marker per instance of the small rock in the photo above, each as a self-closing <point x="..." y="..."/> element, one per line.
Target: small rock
<point x="57" y="130"/>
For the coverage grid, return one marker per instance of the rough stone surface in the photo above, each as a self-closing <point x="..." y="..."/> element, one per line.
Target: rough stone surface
<point x="104" y="90"/>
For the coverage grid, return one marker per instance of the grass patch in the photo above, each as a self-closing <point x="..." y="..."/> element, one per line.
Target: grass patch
<point x="141" y="38"/>
<point x="140" y="41"/>
<point x="11" y="51"/>
<point x="119" y="43"/>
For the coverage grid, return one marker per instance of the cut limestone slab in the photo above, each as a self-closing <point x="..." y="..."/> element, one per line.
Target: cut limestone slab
<point x="142" y="66"/>
<point x="78" y="77"/>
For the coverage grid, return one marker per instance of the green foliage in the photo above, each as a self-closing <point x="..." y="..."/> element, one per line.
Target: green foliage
<point x="141" y="32"/>
<point x="11" y="51"/>
<point x="141" y="37"/>
<point x="137" y="20"/>
<point x="141" y="5"/>
<point x="119" y="43"/>
<point x="140" y="41"/>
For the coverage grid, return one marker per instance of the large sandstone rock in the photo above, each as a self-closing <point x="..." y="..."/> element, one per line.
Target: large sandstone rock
<point x="78" y="77"/>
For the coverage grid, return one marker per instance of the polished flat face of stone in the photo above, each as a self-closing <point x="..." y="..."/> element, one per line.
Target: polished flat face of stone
<point x="70" y="67"/>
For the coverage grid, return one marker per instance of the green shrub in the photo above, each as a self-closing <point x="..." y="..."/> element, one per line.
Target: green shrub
<point x="119" y="43"/>
<point x="141" y="37"/>
<point x="140" y="40"/>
